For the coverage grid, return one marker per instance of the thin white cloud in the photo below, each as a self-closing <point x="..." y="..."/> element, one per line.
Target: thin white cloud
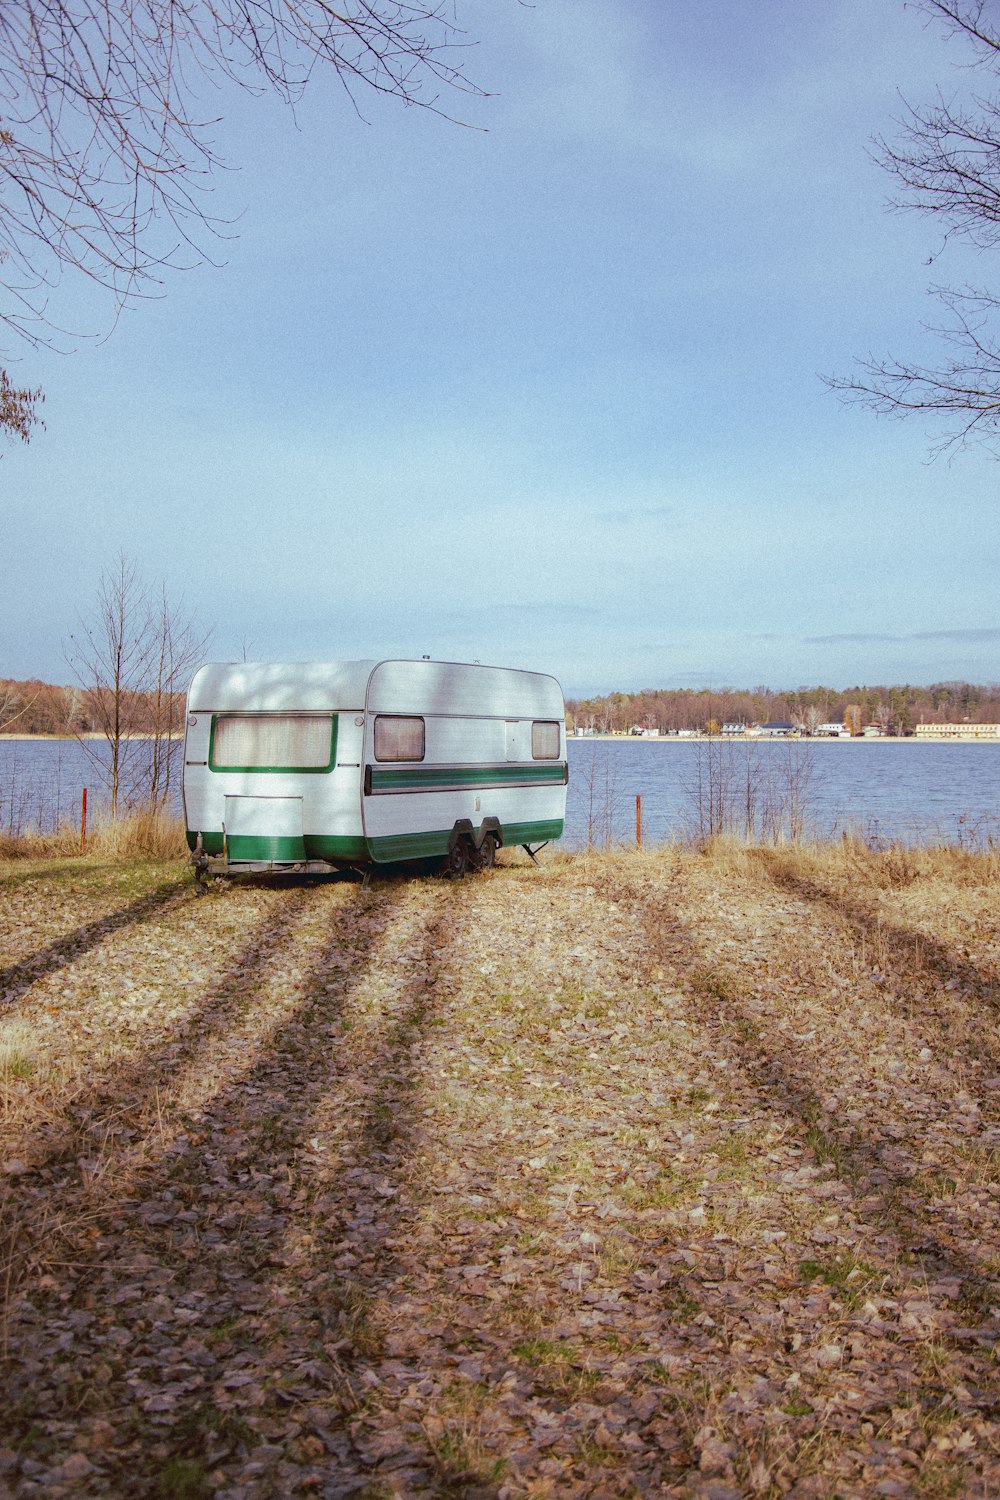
<point x="974" y="636"/>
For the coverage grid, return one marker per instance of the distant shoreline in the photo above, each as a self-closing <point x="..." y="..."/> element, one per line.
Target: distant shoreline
<point x="652" y="739"/>
<point x="71" y="739"/>
<point x="790" y="739"/>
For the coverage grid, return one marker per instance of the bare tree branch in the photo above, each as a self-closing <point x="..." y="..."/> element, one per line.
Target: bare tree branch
<point x="946" y="164"/>
<point x="103" y="140"/>
<point x="105" y="137"/>
<point x="965" y="386"/>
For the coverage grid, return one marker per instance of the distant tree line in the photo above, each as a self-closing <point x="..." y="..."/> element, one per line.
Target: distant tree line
<point x="33" y="707"/>
<point x="896" y="710"/>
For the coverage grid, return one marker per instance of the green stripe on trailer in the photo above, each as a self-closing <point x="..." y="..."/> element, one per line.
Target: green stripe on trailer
<point x="312" y="846"/>
<point x="335" y="846"/>
<point x="382" y="851"/>
<point x="532" y="833"/>
<point x="427" y="845"/>
<point x="210" y="842"/>
<point x="441" y="778"/>
<point x="257" y="846"/>
<point x="391" y="847"/>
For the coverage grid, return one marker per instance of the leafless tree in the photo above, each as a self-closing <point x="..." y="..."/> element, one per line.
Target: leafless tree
<point x="603" y="798"/>
<point x="73" y="710"/>
<point x="105" y="145"/>
<point x="11" y="706"/>
<point x="110" y="657"/>
<point x="807" y="717"/>
<point x="721" y="790"/>
<point x="132" y="660"/>
<point x="884" y="716"/>
<point x="750" y="791"/>
<point x="796" y="795"/>
<point x="946" y="164"/>
<point x="179" y="647"/>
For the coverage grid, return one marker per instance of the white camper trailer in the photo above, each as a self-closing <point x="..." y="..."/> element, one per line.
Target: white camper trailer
<point x="319" y="765"/>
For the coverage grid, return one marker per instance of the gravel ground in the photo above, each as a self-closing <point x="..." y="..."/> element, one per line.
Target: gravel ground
<point x="646" y="1175"/>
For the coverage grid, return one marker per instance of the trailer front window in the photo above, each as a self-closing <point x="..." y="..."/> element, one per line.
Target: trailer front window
<point x="544" y="740"/>
<point x="273" y="742"/>
<point x="398" y="738"/>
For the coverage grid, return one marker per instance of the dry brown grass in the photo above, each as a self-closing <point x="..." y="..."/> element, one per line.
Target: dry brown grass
<point x="851" y="860"/>
<point x="136" y="835"/>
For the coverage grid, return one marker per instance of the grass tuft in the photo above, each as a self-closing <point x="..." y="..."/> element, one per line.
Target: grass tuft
<point x="18" y="1049"/>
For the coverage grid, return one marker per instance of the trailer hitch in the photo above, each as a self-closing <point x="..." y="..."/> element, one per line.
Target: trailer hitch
<point x="200" y="861"/>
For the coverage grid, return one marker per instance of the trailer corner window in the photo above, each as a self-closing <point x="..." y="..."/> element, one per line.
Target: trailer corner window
<point x="545" y="740"/>
<point x="273" y="742"/>
<point x="398" y="737"/>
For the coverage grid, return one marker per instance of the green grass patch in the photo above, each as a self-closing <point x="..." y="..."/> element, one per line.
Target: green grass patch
<point x="183" y="1479"/>
<point x="852" y="1279"/>
<point x="539" y="1351"/>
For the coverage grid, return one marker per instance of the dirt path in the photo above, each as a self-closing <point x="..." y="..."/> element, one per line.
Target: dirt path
<point x="624" y="1177"/>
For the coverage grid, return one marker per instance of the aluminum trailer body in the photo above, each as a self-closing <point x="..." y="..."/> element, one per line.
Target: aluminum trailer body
<point x="324" y="764"/>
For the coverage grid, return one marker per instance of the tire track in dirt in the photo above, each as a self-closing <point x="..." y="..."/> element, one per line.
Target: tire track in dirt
<point x="214" y="1271"/>
<point x="902" y="949"/>
<point x="547" y="1267"/>
<point x="925" y="1286"/>
<point x="17" y="978"/>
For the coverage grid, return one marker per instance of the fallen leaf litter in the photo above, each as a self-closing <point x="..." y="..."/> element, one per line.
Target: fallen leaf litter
<point x="658" y="1175"/>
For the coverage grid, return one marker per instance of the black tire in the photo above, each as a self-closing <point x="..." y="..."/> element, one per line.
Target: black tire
<point x="456" y="861"/>
<point x="487" y="853"/>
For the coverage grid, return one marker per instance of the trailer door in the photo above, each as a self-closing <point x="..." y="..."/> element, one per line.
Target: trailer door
<point x="264" y="828"/>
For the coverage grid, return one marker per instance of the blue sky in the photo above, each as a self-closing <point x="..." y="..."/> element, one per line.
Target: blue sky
<point x="543" y="393"/>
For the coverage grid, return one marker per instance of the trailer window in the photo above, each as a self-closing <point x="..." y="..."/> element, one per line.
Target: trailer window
<point x="272" y="742"/>
<point x="398" y="738"/>
<point x="544" y="740"/>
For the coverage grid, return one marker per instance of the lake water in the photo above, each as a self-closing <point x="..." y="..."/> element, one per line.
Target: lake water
<point x="41" y="782"/>
<point x="883" y="790"/>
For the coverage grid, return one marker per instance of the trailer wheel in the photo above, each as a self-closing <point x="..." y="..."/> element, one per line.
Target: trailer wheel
<point x="487" y="854"/>
<point x="456" y="861"/>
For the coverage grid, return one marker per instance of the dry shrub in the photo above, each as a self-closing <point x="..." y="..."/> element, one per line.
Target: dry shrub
<point x="958" y="866"/>
<point x="850" y="861"/>
<point x="897" y="866"/>
<point x="729" y="855"/>
<point x="137" y="835"/>
<point x="37" y="845"/>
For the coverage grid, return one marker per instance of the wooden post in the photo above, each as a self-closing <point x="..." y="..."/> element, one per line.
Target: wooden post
<point x="638" y="821"/>
<point x="83" y="821"/>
